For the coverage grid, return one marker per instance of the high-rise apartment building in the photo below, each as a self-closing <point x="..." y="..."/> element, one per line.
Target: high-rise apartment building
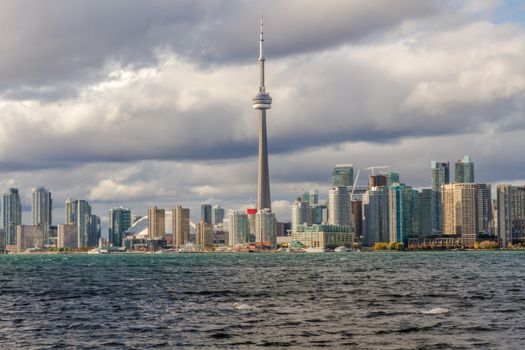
<point x="464" y="170"/>
<point x="425" y="212"/>
<point x="239" y="228"/>
<point x="119" y="222"/>
<point x="339" y="210"/>
<point x="265" y="227"/>
<point x="94" y="231"/>
<point x="484" y="209"/>
<point x="343" y="175"/>
<point x="41" y="210"/>
<point x="375" y="216"/>
<point x="11" y="214"/>
<point x="300" y="213"/>
<point x="206" y="213"/>
<point x="156" y="223"/>
<point x="440" y="176"/>
<point x="78" y="212"/>
<point x="181" y="226"/>
<point x="217" y="215"/>
<point x="460" y="211"/>
<point x="403" y="215"/>
<point x="204" y="238"/>
<point x="511" y="214"/>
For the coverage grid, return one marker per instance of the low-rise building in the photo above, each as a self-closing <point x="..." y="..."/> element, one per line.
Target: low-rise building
<point x="29" y="236"/>
<point x="324" y="236"/>
<point x="67" y="236"/>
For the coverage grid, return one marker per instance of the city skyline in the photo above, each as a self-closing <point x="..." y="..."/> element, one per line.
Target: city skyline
<point x="197" y="139"/>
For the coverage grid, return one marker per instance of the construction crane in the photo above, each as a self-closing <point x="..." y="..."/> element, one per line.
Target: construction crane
<point x="373" y="168"/>
<point x="353" y="187"/>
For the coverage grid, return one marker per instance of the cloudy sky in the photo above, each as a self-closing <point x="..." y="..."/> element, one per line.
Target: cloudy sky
<point x="142" y="103"/>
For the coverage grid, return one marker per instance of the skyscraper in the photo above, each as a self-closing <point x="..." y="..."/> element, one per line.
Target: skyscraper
<point x="94" y="231"/>
<point x="83" y="221"/>
<point x="343" y="175"/>
<point x="425" y="212"/>
<point x="440" y="176"/>
<point x="181" y="226"/>
<point x="265" y="227"/>
<point x="339" y="210"/>
<point x="239" y="228"/>
<point x="262" y="101"/>
<point x="71" y="211"/>
<point x="375" y="216"/>
<point x="217" y="215"/>
<point x="460" y="211"/>
<point x="156" y="223"/>
<point x="119" y="222"/>
<point x="41" y="208"/>
<point x="204" y="238"/>
<point x="464" y="170"/>
<point x="11" y="214"/>
<point x="206" y="213"/>
<point x="511" y="214"/>
<point x="403" y="219"/>
<point x="300" y="213"/>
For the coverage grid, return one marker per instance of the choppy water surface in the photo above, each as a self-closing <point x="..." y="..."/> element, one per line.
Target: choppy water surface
<point x="338" y="300"/>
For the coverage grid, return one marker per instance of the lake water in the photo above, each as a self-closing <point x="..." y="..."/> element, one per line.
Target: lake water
<point x="330" y="300"/>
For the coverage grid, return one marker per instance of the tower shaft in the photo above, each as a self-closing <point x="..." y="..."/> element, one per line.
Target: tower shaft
<point x="263" y="179"/>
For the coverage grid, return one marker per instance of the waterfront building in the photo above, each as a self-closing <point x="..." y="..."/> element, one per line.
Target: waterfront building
<point x="251" y="222"/>
<point x="239" y="228"/>
<point x="67" y="236"/>
<point x="403" y="219"/>
<point x="156" y="224"/>
<point x="217" y="215"/>
<point x="95" y="231"/>
<point x="265" y="228"/>
<point x="425" y="212"/>
<point x="29" y="236"/>
<point x="300" y="213"/>
<point x="78" y="212"/>
<point x="375" y="216"/>
<point x="11" y="214"/>
<point x="323" y="236"/>
<point x="357" y="217"/>
<point x="510" y="214"/>
<point x="440" y="176"/>
<point x="206" y="213"/>
<point x="181" y="226"/>
<point x="484" y="209"/>
<point x="41" y="210"/>
<point x="119" y="222"/>
<point x="204" y="237"/>
<point x="460" y="211"/>
<point x="343" y="175"/>
<point x="464" y="170"/>
<point x="339" y="211"/>
<point x="262" y="101"/>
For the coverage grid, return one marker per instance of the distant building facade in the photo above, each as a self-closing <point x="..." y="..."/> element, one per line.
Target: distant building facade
<point x="119" y="222"/>
<point x="464" y="170"/>
<point x="440" y="176"/>
<point x="181" y="226"/>
<point x="343" y="175"/>
<point x="510" y="214"/>
<point x="11" y="214"/>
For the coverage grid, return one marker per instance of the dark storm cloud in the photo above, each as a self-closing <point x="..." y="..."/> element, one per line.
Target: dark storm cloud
<point x="51" y="48"/>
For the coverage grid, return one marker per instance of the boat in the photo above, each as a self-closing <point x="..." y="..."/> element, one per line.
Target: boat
<point x="341" y="249"/>
<point x="98" y="251"/>
<point x="314" y="250"/>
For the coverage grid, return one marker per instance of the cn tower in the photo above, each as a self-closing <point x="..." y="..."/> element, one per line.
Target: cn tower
<point x="262" y="101"/>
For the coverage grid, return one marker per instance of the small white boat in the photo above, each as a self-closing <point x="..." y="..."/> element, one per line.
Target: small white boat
<point x="314" y="250"/>
<point x="98" y="251"/>
<point x="341" y="249"/>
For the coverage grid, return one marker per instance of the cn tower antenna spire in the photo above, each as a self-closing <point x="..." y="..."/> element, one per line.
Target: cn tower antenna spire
<point x="261" y="57"/>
